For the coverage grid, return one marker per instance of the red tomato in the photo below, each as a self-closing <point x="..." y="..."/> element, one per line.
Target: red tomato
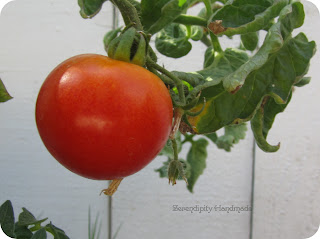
<point x="102" y="118"/>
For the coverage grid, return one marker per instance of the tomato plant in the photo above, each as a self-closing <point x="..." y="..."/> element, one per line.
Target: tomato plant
<point x="98" y="116"/>
<point x="249" y="83"/>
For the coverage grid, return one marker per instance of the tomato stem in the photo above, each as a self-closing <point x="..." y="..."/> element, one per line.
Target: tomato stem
<point x="191" y="20"/>
<point x="207" y="3"/>
<point x="112" y="187"/>
<point x="178" y="83"/>
<point x="215" y="42"/>
<point x="129" y="13"/>
<point x="178" y="113"/>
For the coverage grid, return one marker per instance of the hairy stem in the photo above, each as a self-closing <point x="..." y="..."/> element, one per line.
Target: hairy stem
<point x="207" y="3"/>
<point x="178" y="83"/>
<point x="175" y="149"/>
<point x="178" y="113"/>
<point x="205" y="40"/>
<point x="129" y="13"/>
<point x="191" y="20"/>
<point x="215" y="43"/>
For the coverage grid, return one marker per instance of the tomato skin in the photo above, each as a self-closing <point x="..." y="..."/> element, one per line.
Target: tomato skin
<point x="101" y="118"/>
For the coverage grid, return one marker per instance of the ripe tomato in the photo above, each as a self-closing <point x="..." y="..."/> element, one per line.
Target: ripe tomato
<point x="102" y="118"/>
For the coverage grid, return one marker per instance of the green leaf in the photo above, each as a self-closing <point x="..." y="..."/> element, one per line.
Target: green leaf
<point x="196" y="33"/>
<point x="290" y="18"/>
<point x="193" y="78"/>
<point x="224" y="64"/>
<point x="213" y="137"/>
<point x="303" y="81"/>
<point x="41" y="234"/>
<point x="26" y="218"/>
<point x="275" y="78"/>
<point x="90" y="8"/>
<point x="4" y="95"/>
<point x="232" y="135"/>
<point x="172" y="41"/>
<point x="208" y="57"/>
<point x="156" y="14"/>
<point x="262" y="122"/>
<point x="197" y="160"/>
<point x="22" y="232"/>
<point x="56" y="232"/>
<point x="7" y="218"/>
<point x="244" y="16"/>
<point x="250" y="40"/>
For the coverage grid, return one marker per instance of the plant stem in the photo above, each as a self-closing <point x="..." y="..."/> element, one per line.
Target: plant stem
<point x="175" y="149"/>
<point x="191" y="20"/>
<point x="207" y="3"/>
<point x="205" y="40"/>
<point x="129" y="13"/>
<point x="215" y="43"/>
<point x="178" y="113"/>
<point x="176" y="80"/>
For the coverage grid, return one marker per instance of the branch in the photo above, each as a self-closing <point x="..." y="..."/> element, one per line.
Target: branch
<point x="129" y="13"/>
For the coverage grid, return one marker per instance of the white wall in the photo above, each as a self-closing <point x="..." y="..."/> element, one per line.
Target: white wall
<point x="36" y="35"/>
<point x="287" y="196"/>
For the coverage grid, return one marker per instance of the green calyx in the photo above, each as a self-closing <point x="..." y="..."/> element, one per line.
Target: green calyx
<point x="131" y="46"/>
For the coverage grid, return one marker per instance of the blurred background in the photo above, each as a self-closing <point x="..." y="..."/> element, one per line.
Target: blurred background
<point x="282" y="188"/>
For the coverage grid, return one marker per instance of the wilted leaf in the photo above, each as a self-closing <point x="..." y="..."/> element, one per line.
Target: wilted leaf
<point x="243" y="16"/>
<point x="276" y="69"/>
<point x="90" y="8"/>
<point x="196" y="158"/>
<point x="172" y="41"/>
<point x="232" y="135"/>
<point x="196" y="33"/>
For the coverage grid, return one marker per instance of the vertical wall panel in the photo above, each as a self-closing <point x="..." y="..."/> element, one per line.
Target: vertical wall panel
<point x="286" y="200"/>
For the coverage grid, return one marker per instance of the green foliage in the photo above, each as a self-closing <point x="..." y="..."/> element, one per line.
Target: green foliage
<point x="157" y="14"/>
<point x="197" y="160"/>
<point x="243" y="16"/>
<point x="250" y="40"/>
<point x="4" y="95"/>
<point x="27" y="226"/>
<point x="232" y="135"/>
<point x="233" y="87"/>
<point x="7" y="218"/>
<point x="208" y="57"/>
<point x="90" y="8"/>
<point x="173" y="42"/>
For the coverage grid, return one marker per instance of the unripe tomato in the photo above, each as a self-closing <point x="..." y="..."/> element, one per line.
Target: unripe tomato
<point x="102" y="118"/>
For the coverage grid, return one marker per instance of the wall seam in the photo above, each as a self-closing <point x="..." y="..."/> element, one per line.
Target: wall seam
<point x="252" y="188"/>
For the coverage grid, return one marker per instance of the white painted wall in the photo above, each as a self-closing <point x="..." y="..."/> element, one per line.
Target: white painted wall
<point x="287" y="195"/>
<point x="36" y="35"/>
